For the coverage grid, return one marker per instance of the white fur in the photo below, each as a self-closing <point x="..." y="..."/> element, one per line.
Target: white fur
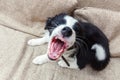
<point x="41" y="59"/>
<point x="70" y="21"/>
<point x="39" y="41"/>
<point x="73" y="63"/>
<point x="100" y="52"/>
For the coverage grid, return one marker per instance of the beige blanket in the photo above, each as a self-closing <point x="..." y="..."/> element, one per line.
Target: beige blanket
<point x="21" y="20"/>
<point x="31" y="14"/>
<point x="16" y="62"/>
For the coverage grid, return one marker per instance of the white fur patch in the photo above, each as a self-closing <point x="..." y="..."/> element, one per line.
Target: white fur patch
<point x="70" y="21"/>
<point x="100" y="52"/>
<point x="39" y="41"/>
<point x="41" y="59"/>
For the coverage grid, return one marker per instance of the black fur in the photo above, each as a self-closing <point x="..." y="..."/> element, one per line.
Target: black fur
<point x="90" y="35"/>
<point x="54" y="22"/>
<point x="87" y="35"/>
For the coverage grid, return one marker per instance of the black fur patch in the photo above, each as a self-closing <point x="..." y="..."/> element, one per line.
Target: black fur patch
<point x="53" y="22"/>
<point x="86" y="36"/>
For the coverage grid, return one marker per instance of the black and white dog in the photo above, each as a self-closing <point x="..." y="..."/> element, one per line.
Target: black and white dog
<point x="80" y="42"/>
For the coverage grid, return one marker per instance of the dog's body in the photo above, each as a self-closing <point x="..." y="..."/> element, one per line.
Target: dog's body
<point x="81" y="43"/>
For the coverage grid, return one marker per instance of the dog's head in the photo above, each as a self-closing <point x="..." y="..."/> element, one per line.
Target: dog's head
<point x="63" y="30"/>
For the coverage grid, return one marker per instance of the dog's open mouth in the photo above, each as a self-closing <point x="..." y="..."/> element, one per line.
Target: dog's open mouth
<point x="57" y="47"/>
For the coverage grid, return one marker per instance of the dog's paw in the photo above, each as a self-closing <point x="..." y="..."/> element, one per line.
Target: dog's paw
<point x="38" y="60"/>
<point x="62" y="63"/>
<point x="32" y="42"/>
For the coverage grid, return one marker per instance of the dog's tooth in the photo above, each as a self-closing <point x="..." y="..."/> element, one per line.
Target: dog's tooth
<point x="56" y="37"/>
<point x="61" y="50"/>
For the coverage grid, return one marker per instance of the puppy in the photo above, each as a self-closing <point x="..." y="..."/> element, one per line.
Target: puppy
<point x="80" y="42"/>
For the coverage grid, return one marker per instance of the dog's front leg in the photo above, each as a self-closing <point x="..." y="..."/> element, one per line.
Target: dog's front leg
<point x="41" y="59"/>
<point x="39" y="41"/>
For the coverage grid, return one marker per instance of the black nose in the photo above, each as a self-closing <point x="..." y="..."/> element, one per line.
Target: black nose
<point x="66" y="32"/>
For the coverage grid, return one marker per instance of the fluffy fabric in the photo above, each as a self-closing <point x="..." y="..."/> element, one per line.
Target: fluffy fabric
<point x="29" y="15"/>
<point x="106" y="4"/>
<point x="107" y="21"/>
<point x="27" y="11"/>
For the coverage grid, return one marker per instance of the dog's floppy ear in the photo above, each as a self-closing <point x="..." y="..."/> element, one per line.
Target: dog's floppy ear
<point x="48" y="23"/>
<point x="78" y="27"/>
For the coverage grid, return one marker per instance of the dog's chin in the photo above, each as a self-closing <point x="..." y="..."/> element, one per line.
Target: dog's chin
<point x="57" y="47"/>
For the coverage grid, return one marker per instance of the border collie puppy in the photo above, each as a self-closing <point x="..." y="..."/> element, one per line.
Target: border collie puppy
<point x="80" y="42"/>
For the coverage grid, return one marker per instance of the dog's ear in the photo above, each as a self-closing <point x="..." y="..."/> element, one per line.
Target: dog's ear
<point x="48" y="23"/>
<point x="78" y="27"/>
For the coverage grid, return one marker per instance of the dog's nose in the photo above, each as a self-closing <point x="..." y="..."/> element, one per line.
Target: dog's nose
<point x="66" y="32"/>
